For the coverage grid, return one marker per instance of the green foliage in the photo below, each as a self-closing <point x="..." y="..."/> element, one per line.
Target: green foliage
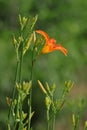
<point x="54" y="106"/>
<point x="64" y="20"/>
<point x="75" y="120"/>
<point x="16" y="114"/>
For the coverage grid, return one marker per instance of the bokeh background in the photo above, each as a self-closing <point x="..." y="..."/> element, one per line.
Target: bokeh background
<point x="64" y="20"/>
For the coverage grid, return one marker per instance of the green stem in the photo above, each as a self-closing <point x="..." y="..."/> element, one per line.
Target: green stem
<point x="19" y="104"/>
<point x="54" y="113"/>
<point x="48" y="125"/>
<point x="20" y="68"/>
<point x="9" y="113"/>
<point x="53" y="126"/>
<point x="20" y="74"/>
<point x="15" y="80"/>
<point x="30" y="95"/>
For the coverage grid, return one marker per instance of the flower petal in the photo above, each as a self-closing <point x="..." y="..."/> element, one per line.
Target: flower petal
<point x="51" y="41"/>
<point x="61" y="48"/>
<point x="50" y="44"/>
<point x="44" y="34"/>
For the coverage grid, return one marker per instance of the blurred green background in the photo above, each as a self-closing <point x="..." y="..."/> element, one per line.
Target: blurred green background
<point x="64" y="20"/>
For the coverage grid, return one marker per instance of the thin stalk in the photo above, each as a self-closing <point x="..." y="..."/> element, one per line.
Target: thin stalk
<point x="20" y="125"/>
<point x="19" y="95"/>
<point x="30" y="95"/>
<point x="48" y="124"/>
<point x="21" y="60"/>
<point x="54" y="113"/>
<point x="18" y="99"/>
<point x="53" y="125"/>
<point x="15" y="80"/>
<point x="13" y="95"/>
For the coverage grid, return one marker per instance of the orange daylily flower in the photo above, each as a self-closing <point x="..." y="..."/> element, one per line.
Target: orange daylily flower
<point x="50" y="44"/>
